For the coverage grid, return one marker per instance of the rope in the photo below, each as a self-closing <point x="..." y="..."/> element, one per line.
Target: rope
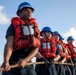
<point x="14" y="66"/>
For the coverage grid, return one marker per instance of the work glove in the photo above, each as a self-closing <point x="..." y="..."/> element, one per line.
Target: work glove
<point x="44" y="59"/>
<point x="51" y="61"/>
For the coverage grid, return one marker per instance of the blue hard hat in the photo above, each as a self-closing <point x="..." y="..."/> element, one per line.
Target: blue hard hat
<point x="22" y="5"/>
<point x="61" y="38"/>
<point x="46" y="29"/>
<point x="70" y="38"/>
<point x="56" y="33"/>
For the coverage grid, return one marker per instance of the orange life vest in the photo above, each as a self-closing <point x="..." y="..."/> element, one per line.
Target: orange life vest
<point x="63" y="49"/>
<point x="26" y="34"/>
<point x="72" y="49"/>
<point x="48" y="48"/>
<point x="68" y="54"/>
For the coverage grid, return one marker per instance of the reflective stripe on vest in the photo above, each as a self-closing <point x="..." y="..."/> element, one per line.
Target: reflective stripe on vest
<point x="60" y="47"/>
<point x="66" y="50"/>
<point x="46" y="45"/>
<point x="28" y="30"/>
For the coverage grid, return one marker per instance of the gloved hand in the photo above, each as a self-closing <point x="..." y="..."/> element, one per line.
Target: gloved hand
<point x="51" y="61"/>
<point x="44" y="59"/>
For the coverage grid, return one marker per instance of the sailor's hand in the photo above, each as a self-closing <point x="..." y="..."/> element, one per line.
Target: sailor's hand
<point x="44" y="59"/>
<point x="51" y="61"/>
<point x="6" y="66"/>
<point x="21" y="63"/>
<point x="61" y="62"/>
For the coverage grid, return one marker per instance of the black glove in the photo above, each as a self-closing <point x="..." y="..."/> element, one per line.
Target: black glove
<point x="44" y="59"/>
<point x="51" y="61"/>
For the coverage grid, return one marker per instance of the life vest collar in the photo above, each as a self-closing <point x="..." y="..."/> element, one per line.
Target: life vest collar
<point x="17" y="19"/>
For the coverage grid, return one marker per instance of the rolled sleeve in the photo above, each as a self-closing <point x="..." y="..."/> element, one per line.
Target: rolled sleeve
<point x="10" y="31"/>
<point x="58" y="50"/>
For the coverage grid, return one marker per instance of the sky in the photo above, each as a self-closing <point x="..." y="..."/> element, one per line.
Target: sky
<point x="59" y="15"/>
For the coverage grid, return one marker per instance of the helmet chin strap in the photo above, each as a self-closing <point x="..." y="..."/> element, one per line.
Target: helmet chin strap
<point x="46" y="36"/>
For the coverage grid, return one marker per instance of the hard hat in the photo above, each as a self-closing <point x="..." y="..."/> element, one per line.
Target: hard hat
<point x="56" y="33"/>
<point x="70" y="38"/>
<point x="22" y="5"/>
<point x="46" y="29"/>
<point x="61" y="38"/>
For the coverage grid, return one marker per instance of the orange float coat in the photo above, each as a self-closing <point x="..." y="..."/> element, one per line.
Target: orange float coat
<point x="26" y="33"/>
<point x="48" y="48"/>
